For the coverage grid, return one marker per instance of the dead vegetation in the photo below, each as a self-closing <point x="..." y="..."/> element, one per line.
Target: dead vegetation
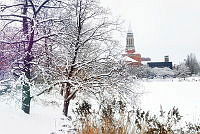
<point x="136" y="122"/>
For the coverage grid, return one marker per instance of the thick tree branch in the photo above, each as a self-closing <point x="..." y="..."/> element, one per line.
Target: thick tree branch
<point x="15" y="15"/>
<point x="41" y="6"/>
<point x="3" y="7"/>
<point x="51" y="87"/>
<point x="33" y="7"/>
<point x="26" y="41"/>
<point x="71" y="95"/>
<point x="12" y="20"/>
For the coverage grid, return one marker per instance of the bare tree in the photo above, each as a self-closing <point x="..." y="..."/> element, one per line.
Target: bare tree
<point x="80" y="47"/>
<point x="193" y="64"/>
<point x="27" y="14"/>
<point x="85" y="49"/>
<point x="183" y="71"/>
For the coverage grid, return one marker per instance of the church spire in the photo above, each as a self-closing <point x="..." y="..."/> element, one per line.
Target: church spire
<point x="130" y="28"/>
<point x="130" y="48"/>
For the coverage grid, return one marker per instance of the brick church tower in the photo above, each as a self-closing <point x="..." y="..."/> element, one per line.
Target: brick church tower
<point x="130" y="48"/>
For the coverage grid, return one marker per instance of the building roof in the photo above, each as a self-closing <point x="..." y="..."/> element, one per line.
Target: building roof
<point x="160" y="64"/>
<point x="126" y="58"/>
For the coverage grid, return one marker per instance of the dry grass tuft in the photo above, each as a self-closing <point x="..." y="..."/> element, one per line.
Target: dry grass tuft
<point x="106" y="127"/>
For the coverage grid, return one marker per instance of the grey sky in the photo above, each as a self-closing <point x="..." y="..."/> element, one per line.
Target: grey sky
<point x="161" y="27"/>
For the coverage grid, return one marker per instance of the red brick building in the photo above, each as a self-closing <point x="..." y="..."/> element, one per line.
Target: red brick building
<point x="130" y="50"/>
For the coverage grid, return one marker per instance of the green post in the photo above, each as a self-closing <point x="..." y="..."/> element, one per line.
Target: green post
<point x="26" y="99"/>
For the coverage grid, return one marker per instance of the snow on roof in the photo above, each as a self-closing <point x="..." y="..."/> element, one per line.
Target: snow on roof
<point x="145" y="62"/>
<point x="126" y="58"/>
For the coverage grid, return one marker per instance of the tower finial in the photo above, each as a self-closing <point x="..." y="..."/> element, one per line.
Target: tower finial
<point x="130" y="28"/>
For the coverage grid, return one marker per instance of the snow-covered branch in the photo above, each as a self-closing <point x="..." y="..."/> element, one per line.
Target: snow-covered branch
<point x="14" y="15"/>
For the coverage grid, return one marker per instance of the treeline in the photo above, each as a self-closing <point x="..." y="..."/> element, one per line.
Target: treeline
<point x="189" y="67"/>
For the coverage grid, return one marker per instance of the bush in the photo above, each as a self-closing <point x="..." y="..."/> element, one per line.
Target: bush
<point x="137" y="122"/>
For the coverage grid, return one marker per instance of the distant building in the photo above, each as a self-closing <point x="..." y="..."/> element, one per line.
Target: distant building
<point x="130" y="51"/>
<point x="166" y="63"/>
<point x="135" y="59"/>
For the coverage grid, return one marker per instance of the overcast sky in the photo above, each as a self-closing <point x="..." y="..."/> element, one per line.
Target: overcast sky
<point x="161" y="27"/>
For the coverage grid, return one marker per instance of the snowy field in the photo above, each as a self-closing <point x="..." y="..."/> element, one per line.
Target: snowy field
<point x="184" y="95"/>
<point x="42" y="120"/>
<point x="46" y="119"/>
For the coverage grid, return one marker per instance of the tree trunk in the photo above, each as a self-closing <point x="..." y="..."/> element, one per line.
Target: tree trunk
<point x="66" y="106"/>
<point x="26" y="98"/>
<point x="66" y="99"/>
<point x="26" y="87"/>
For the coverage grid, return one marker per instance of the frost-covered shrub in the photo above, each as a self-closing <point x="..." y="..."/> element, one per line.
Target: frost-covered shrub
<point x="193" y="128"/>
<point x="84" y="109"/>
<point x="182" y="71"/>
<point x="165" y="123"/>
<point x="113" y="116"/>
<point x="147" y="72"/>
<point x="108" y="118"/>
<point x="192" y="63"/>
<point x="138" y="121"/>
<point x="162" y="72"/>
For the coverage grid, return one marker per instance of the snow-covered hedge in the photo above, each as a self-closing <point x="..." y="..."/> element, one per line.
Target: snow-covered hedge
<point x="162" y="72"/>
<point x="147" y="72"/>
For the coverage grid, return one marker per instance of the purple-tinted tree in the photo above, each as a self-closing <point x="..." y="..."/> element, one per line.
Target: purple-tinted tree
<point x="26" y="15"/>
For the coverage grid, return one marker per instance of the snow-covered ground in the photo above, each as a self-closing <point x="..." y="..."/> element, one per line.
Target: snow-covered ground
<point x="184" y="95"/>
<point x="47" y="118"/>
<point x="44" y="118"/>
<point x="14" y="121"/>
